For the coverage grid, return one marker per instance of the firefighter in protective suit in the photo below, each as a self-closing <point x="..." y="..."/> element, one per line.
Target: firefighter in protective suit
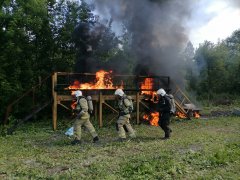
<point x="164" y="108"/>
<point x="82" y="119"/>
<point x="125" y="108"/>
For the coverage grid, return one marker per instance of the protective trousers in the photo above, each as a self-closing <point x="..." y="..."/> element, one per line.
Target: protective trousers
<point x="164" y="122"/>
<point x="124" y="120"/>
<point x="77" y="127"/>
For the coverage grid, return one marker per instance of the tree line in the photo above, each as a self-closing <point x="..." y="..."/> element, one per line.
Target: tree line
<point x="213" y="69"/>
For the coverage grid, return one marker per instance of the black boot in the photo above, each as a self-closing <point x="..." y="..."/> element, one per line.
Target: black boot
<point x="165" y="138"/>
<point x="95" y="139"/>
<point x="76" y="141"/>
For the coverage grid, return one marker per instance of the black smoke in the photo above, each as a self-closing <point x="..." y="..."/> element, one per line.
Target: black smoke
<point x="157" y="31"/>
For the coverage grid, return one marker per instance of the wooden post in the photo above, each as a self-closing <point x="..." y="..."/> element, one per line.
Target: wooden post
<point x="95" y="111"/>
<point x="9" y="109"/>
<point x="137" y="107"/>
<point x="54" y="106"/>
<point x="100" y="109"/>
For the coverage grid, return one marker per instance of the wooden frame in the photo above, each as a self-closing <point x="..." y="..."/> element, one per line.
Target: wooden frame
<point x="99" y="99"/>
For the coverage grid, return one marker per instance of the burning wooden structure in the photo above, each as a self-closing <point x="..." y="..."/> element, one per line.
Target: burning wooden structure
<point x="101" y="87"/>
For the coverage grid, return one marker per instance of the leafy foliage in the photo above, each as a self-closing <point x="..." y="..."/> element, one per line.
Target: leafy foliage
<point x="216" y="68"/>
<point x="38" y="37"/>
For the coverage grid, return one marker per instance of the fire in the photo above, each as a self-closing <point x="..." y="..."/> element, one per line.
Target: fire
<point x="181" y="115"/>
<point x="153" y="118"/>
<point x="103" y="81"/>
<point x="74" y="104"/>
<point x="147" y="84"/>
<point x="196" y="114"/>
<point x="147" y="87"/>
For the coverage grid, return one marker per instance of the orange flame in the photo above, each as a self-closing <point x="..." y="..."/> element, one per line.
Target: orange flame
<point x="196" y="114"/>
<point x="147" y="87"/>
<point x="181" y="115"/>
<point x="103" y="81"/>
<point x="74" y="104"/>
<point x="153" y="118"/>
<point x="147" y="84"/>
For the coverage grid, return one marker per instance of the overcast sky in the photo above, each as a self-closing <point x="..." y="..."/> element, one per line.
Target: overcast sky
<point x="213" y="20"/>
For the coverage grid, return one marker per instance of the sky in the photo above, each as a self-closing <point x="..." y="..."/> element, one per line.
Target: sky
<point x="213" y="20"/>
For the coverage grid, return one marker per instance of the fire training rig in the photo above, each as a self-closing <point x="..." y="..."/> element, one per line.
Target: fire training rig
<point x="101" y="87"/>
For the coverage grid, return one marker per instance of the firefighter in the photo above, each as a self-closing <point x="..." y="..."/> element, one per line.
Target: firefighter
<point x="125" y="108"/>
<point x="82" y="119"/>
<point x="164" y="108"/>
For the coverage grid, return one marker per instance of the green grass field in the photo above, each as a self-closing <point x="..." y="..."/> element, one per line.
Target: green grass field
<point x="198" y="149"/>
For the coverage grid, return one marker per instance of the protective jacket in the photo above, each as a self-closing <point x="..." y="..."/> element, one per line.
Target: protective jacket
<point x="124" y="106"/>
<point x="82" y="106"/>
<point x="164" y="105"/>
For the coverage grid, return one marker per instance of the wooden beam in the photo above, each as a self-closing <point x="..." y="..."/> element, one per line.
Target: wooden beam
<point x="96" y="97"/>
<point x="100" y="109"/>
<point x="137" y="108"/>
<point x="64" y="106"/>
<point x="110" y="107"/>
<point x="54" y="106"/>
<point x="95" y="111"/>
<point x="115" y="117"/>
<point x="144" y="105"/>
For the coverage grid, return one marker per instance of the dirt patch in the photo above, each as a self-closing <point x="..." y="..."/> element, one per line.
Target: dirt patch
<point x="221" y="113"/>
<point x="192" y="148"/>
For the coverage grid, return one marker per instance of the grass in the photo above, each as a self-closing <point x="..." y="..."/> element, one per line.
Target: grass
<point x="198" y="149"/>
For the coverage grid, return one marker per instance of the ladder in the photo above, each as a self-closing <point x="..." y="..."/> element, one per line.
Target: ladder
<point x="180" y="100"/>
<point x="35" y="108"/>
<point x="26" y="118"/>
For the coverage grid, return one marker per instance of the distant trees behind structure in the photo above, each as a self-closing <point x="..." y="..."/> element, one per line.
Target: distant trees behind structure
<point x="215" y="68"/>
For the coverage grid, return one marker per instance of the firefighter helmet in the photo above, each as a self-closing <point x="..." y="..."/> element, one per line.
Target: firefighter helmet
<point x="78" y="93"/>
<point x="119" y="92"/>
<point x="161" y="92"/>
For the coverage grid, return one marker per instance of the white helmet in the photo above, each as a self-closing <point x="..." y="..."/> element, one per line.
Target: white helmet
<point x="78" y="93"/>
<point x="119" y="92"/>
<point x="161" y="92"/>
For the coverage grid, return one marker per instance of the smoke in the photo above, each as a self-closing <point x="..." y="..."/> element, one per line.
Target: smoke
<point x="158" y="32"/>
<point x="235" y="3"/>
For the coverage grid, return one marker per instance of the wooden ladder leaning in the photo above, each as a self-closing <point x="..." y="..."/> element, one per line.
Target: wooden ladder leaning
<point x="180" y="100"/>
